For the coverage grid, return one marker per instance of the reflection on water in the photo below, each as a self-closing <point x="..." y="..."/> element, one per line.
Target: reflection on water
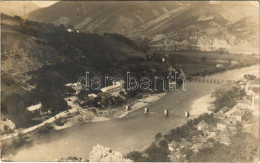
<point x="134" y="132"/>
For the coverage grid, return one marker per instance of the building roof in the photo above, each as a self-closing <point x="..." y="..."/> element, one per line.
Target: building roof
<point x="34" y="107"/>
<point x="92" y="95"/>
<point x="222" y="123"/>
<point x="203" y="123"/>
<point x="184" y="143"/>
<point x="220" y="115"/>
<point x="173" y="144"/>
<point x="117" y="85"/>
<point x="245" y="101"/>
<point x="237" y="113"/>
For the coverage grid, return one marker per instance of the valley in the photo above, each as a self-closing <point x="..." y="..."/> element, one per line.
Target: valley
<point x="53" y="107"/>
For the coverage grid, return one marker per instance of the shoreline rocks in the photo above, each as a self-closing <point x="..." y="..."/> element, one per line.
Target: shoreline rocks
<point x="105" y="154"/>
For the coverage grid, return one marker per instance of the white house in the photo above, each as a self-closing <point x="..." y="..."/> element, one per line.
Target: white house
<point x="246" y="104"/>
<point x="202" y="125"/>
<point x="92" y="95"/>
<point x="6" y="122"/>
<point x="237" y="116"/>
<point x="75" y="86"/>
<point x="220" y="65"/>
<point x="115" y="88"/>
<point x="173" y="146"/>
<point x="35" y="108"/>
<point x="69" y="30"/>
<point x="222" y="125"/>
<point x="163" y="59"/>
<point x="220" y="115"/>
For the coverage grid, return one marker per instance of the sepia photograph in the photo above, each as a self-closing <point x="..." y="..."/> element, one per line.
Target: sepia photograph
<point x="130" y="81"/>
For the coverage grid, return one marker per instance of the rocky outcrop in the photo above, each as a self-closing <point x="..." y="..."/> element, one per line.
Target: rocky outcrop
<point x="105" y="154"/>
<point x="70" y="159"/>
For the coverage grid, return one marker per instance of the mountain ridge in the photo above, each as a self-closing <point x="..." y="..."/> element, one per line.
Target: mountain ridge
<point x="176" y="21"/>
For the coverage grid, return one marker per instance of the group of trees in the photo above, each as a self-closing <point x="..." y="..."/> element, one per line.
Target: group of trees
<point x="226" y="98"/>
<point x="159" y="151"/>
<point x="69" y="55"/>
<point x="243" y="148"/>
<point x="50" y="91"/>
<point x="154" y="153"/>
<point x="13" y="107"/>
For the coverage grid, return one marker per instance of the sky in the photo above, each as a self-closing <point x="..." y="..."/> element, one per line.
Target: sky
<point x="44" y="3"/>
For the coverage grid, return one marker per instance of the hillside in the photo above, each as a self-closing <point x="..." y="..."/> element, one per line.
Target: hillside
<point x="18" y="8"/>
<point x="38" y="59"/>
<point x="102" y="16"/>
<point x="184" y="26"/>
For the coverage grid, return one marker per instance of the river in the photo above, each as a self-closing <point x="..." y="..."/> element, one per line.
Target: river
<point x="136" y="131"/>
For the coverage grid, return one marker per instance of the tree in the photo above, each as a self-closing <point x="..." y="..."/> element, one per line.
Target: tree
<point x="158" y="136"/>
<point x="157" y="154"/>
<point x="135" y="156"/>
<point x="203" y="59"/>
<point x="163" y="143"/>
<point x="6" y="128"/>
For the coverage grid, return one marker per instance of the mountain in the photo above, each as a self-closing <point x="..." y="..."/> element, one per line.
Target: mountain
<point x="203" y="25"/>
<point x="28" y="46"/>
<point x="103" y="16"/>
<point x="18" y="8"/>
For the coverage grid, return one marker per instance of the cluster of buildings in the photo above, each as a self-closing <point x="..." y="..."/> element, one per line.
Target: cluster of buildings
<point x="6" y="125"/>
<point x="223" y="127"/>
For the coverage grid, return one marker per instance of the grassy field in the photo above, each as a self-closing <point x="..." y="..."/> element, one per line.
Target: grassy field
<point x="191" y="69"/>
<point x="216" y="57"/>
<point x="192" y="64"/>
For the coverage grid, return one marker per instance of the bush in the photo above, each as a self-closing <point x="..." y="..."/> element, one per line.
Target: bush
<point x="45" y="128"/>
<point x="59" y="121"/>
<point x="249" y="77"/>
<point x="163" y="143"/>
<point x="19" y="140"/>
<point x="203" y="59"/>
<point x="158" y="136"/>
<point x="135" y="156"/>
<point x="226" y="99"/>
<point x="157" y="154"/>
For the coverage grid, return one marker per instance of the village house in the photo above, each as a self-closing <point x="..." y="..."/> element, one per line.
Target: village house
<point x="163" y="59"/>
<point x="74" y="86"/>
<point x="35" y="108"/>
<point x="199" y="139"/>
<point x="69" y="30"/>
<point x="202" y="125"/>
<point x="234" y="62"/>
<point x="222" y="138"/>
<point x="220" y="65"/>
<point x="236" y="116"/>
<point x="92" y="95"/>
<point x="245" y="104"/>
<point x="199" y="146"/>
<point x="232" y="129"/>
<point x="114" y="89"/>
<point x="173" y="146"/>
<point x="127" y="107"/>
<point x="220" y="115"/>
<point x="5" y="122"/>
<point x="222" y="125"/>
<point x="172" y="84"/>
<point x="184" y="143"/>
<point x="224" y="109"/>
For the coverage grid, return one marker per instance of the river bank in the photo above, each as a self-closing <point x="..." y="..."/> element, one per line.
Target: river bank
<point x="78" y="116"/>
<point x="133" y="132"/>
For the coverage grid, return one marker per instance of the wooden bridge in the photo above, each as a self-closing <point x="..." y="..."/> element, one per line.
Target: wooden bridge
<point x="210" y="80"/>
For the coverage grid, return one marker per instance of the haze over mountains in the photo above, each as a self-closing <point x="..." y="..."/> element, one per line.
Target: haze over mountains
<point x="203" y="26"/>
<point x="18" y="8"/>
